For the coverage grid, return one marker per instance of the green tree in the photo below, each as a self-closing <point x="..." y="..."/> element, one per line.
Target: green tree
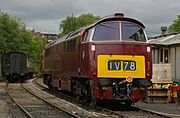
<point x="15" y="37"/>
<point x="175" y="26"/>
<point x="73" y="23"/>
<point x="11" y="29"/>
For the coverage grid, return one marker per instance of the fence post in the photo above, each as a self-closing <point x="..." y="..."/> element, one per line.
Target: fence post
<point x="0" y="66"/>
<point x="178" y="97"/>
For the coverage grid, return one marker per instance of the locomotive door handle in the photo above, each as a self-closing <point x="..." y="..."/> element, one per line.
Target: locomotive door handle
<point x="148" y="66"/>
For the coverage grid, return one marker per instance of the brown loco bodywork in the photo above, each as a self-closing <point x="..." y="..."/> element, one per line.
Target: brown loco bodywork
<point x="72" y="64"/>
<point x="62" y="63"/>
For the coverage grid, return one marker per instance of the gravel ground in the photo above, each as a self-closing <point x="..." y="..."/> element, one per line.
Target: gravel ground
<point x="167" y="109"/>
<point x="63" y="103"/>
<point x="36" y="107"/>
<point x="40" y="81"/>
<point x="7" y="107"/>
<point x="138" y="114"/>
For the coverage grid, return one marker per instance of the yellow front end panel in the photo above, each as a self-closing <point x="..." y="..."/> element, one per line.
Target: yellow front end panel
<point x="104" y="66"/>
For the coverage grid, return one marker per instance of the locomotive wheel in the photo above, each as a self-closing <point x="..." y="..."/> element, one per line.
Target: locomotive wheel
<point x="50" y="87"/>
<point x="86" y="94"/>
<point x="93" y="104"/>
<point x="48" y="81"/>
<point x="128" y="102"/>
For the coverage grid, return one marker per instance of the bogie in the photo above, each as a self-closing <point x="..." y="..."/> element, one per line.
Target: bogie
<point x="81" y="87"/>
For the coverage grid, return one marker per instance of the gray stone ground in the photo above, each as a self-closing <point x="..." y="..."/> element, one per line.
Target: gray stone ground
<point x="170" y="109"/>
<point x="3" y="105"/>
<point x="7" y="108"/>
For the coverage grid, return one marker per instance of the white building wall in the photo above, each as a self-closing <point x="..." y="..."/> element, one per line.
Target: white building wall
<point x="177" y="63"/>
<point x="172" y="61"/>
<point x="156" y="58"/>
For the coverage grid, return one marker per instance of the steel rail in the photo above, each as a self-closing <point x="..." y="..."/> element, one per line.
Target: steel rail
<point x="2" y="80"/>
<point x="49" y="103"/>
<point x="155" y="113"/>
<point x="27" y="113"/>
<point x="11" y="97"/>
<point x="115" y="114"/>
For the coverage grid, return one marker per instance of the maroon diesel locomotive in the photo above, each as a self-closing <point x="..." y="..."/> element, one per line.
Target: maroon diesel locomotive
<point x="107" y="60"/>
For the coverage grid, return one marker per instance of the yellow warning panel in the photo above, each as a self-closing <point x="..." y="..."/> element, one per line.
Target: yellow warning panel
<point x="121" y="66"/>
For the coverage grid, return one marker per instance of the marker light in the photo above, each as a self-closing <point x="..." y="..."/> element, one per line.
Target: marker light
<point x="93" y="47"/>
<point x="148" y="49"/>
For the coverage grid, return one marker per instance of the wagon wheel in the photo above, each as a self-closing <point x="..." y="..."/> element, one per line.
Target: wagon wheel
<point x="10" y="79"/>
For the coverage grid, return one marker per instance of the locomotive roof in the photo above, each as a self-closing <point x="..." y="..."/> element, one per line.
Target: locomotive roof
<point x="120" y="18"/>
<point x="116" y="16"/>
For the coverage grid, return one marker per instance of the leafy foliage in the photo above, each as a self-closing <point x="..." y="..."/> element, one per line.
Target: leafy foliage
<point x="175" y="26"/>
<point x="73" y="23"/>
<point x="15" y="38"/>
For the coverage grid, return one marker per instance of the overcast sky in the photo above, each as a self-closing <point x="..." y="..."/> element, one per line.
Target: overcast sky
<point x="45" y="15"/>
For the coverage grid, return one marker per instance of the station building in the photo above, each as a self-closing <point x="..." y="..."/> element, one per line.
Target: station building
<point x="166" y="58"/>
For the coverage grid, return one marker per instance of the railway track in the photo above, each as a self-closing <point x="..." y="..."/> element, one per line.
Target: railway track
<point x="99" y="111"/>
<point x="7" y="108"/>
<point x="118" y="110"/>
<point x="134" y="112"/>
<point x="33" y="106"/>
<point x="143" y="114"/>
<point x="2" y="80"/>
<point x="63" y="103"/>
